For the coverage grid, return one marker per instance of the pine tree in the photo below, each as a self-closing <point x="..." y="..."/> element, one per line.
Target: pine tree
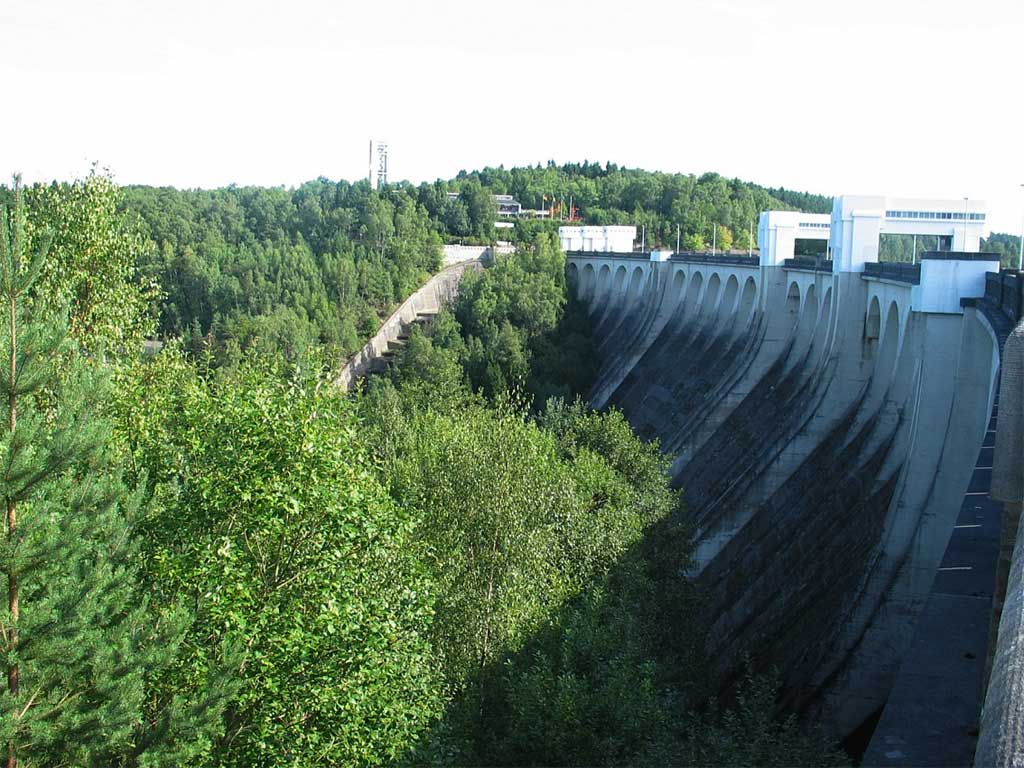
<point x="78" y="641"/>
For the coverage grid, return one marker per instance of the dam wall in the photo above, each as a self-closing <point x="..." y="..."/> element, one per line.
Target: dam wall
<point x="825" y="415"/>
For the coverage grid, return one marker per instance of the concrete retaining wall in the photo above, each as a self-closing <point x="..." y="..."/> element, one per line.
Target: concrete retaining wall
<point x="438" y="290"/>
<point x="456" y="254"/>
<point x="1001" y="741"/>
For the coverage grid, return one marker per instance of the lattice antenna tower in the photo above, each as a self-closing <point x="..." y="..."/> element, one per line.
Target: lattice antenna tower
<point x="378" y="163"/>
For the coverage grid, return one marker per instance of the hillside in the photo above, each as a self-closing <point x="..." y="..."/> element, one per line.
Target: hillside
<point x="318" y="266"/>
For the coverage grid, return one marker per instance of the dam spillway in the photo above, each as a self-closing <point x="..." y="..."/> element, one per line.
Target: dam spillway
<point x="826" y="415"/>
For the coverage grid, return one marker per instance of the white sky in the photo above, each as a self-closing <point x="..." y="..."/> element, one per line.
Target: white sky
<point x="914" y="97"/>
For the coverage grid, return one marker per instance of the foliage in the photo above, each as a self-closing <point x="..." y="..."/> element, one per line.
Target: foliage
<point x="91" y="271"/>
<point x="905" y="248"/>
<point x="518" y="520"/>
<point x="283" y="271"/>
<point x="514" y="325"/>
<point x="724" y="238"/>
<point x="746" y="735"/>
<point x="1007" y="246"/>
<point x="660" y="202"/>
<point x="270" y="521"/>
<point x="510" y="540"/>
<point x="79" y="639"/>
<point x="584" y="691"/>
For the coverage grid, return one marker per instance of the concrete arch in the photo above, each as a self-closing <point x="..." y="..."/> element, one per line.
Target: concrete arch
<point x="886" y="363"/>
<point x="748" y="300"/>
<point x="793" y="303"/>
<point x="636" y="284"/>
<point x="824" y="322"/>
<point x="693" y="292"/>
<point x="604" y="281"/>
<point x="572" y="273"/>
<point x="826" y="307"/>
<point x="678" y="287"/>
<point x="586" y="282"/>
<point x="619" y="284"/>
<point x="894" y="314"/>
<point x="872" y="321"/>
<point x="711" y="292"/>
<point x="808" y="315"/>
<point x="872" y="328"/>
<point x="728" y="304"/>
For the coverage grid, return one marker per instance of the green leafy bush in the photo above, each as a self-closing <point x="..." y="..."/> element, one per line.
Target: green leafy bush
<point x="271" y="523"/>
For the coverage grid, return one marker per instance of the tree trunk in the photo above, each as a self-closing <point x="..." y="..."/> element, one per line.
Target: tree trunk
<point x="12" y="519"/>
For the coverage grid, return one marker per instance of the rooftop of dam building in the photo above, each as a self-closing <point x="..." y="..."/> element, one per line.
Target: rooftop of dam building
<point x="851" y="543"/>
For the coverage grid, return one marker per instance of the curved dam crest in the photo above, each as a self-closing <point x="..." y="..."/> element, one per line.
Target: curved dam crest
<point x="825" y="415"/>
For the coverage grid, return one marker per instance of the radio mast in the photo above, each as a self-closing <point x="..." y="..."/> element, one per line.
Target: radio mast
<point x="378" y="166"/>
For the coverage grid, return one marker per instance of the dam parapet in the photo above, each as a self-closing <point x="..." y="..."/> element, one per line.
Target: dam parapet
<point x="826" y="413"/>
<point x="1001" y="738"/>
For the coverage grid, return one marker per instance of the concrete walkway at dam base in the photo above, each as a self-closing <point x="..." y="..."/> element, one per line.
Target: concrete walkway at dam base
<point x="931" y="717"/>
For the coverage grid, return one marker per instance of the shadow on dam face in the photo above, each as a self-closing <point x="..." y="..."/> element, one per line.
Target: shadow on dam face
<point x="824" y="436"/>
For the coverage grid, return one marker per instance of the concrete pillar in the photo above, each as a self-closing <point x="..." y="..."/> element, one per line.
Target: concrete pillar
<point x="856" y="227"/>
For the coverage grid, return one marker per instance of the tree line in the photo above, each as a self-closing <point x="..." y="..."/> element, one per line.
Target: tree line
<point x="317" y="267"/>
<point x="1007" y="246"/>
<point x="281" y="270"/>
<point x="701" y="209"/>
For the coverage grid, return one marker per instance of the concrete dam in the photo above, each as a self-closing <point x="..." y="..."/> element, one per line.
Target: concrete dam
<point x="830" y="418"/>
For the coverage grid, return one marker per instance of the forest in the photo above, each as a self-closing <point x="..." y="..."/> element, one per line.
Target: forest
<point x="1007" y="246"/>
<point x="318" y="266"/>
<point x="215" y="558"/>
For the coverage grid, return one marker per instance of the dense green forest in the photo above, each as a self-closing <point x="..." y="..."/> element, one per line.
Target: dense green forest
<point x="282" y="270"/>
<point x="656" y="202"/>
<point x="317" y="267"/>
<point x="224" y="561"/>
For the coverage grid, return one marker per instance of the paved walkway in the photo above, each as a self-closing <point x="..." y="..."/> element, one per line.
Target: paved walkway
<point x="931" y="717"/>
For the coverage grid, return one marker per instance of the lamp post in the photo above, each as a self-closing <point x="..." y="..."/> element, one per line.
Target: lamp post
<point x="963" y="246"/>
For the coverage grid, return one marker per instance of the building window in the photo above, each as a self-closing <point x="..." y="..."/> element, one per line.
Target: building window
<point x="934" y="215"/>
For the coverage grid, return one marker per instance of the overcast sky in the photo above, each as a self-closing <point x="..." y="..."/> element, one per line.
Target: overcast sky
<point x="873" y="96"/>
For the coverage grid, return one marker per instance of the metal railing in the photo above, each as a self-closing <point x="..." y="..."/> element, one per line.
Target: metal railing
<point x="1006" y="290"/>
<point x="701" y="257"/>
<point x="815" y="263"/>
<point x="639" y="255"/>
<point x="894" y="270"/>
<point x="706" y="257"/>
